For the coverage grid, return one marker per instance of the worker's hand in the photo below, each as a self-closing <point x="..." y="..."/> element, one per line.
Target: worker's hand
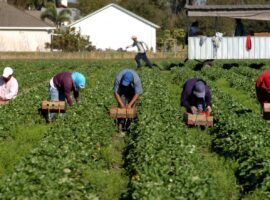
<point x="129" y="106"/>
<point x="209" y="109"/>
<point x="194" y="109"/>
<point x="79" y="102"/>
<point x="123" y="106"/>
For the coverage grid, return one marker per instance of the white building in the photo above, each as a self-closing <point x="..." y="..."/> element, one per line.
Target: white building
<point x="20" y="31"/>
<point x="112" y="27"/>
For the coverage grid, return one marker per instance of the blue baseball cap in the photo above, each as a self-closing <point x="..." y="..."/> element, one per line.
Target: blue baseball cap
<point x="127" y="78"/>
<point x="199" y="89"/>
<point x="78" y="80"/>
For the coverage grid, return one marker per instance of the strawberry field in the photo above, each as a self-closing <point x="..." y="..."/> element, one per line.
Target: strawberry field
<point x="80" y="156"/>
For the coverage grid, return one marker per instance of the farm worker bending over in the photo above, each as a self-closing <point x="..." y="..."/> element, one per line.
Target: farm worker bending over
<point x="8" y="85"/>
<point x="196" y="96"/>
<point x="263" y="87"/>
<point x="142" y="48"/>
<point x="62" y="84"/>
<point x="127" y="88"/>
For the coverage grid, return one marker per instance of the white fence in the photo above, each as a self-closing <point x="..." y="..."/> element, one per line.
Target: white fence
<point x="229" y="48"/>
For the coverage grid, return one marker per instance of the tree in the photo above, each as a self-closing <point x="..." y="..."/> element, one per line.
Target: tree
<point x="70" y="40"/>
<point x="170" y="40"/>
<point x="177" y="5"/>
<point x="86" y="6"/>
<point x="56" y="17"/>
<point x="38" y="4"/>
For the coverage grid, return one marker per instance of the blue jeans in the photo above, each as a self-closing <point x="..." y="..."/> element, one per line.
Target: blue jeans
<point x="55" y="95"/>
<point x="142" y="56"/>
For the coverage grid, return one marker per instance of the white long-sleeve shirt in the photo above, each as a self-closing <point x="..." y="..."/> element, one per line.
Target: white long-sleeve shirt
<point x="141" y="46"/>
<point x="8" y="90"/>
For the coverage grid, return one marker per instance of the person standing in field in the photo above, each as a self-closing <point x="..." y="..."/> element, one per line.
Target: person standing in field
<point x="263" y="88"/>
<point x="61" y="86"/>
<point x="141" y="55"/>
<point x="196" y="96"/>
<point x="127" y="89"/>
<point x="194" y="29"/>
<point x="8" y="86"/>
<point x="239" y="28"/>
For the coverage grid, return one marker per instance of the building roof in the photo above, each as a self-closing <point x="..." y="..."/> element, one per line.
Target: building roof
<point x="11" y="17"/>
<point x="253" y="12"/>
<point x="121" y="9"/>
<point x="37" y="15"/>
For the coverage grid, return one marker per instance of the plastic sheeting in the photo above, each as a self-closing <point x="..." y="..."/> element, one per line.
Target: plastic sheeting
<point x="228" y="48"/>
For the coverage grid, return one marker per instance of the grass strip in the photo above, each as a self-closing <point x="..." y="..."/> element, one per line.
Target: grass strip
<point x="222" y="169"/>
<point x="239" y="95"/>
<point x="20" y="141"/>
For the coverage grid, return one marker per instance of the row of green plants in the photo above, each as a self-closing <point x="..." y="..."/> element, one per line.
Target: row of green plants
<point x="33" y="79"/>
<point x="21" y="123"/>
<point x="243" y="135"/>
<point x="239" y="133"/>
<point x="162" y="163"/>
<point x="73" y="160"/>
<point x="236" y="79"/>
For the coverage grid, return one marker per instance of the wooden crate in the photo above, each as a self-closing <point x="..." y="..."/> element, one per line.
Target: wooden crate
<point x="262" y="34"/>
<point x="54" y="106"/>
<point x="201" y="119"/>
<point x="266" y="110"/>
<point x="3" y="102"/>
<point x="123" y="113"/>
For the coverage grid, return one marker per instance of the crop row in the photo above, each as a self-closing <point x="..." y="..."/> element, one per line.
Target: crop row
<point x="163" y="164"/>
<point x="66" y="162"/>
<point x="235" y="79"/>
<point x="74" y="161"/>
<point x="239" y="134"/>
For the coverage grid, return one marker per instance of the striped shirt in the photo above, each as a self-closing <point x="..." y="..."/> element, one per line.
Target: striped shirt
<point x="141" y="46"/>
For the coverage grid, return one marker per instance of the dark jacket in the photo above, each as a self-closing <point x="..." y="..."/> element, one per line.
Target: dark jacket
<point x="188" y="99"/>
<point x="64" y="83"/>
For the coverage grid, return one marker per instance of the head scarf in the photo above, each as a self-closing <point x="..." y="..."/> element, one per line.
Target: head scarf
<point x="78" y="80"/>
